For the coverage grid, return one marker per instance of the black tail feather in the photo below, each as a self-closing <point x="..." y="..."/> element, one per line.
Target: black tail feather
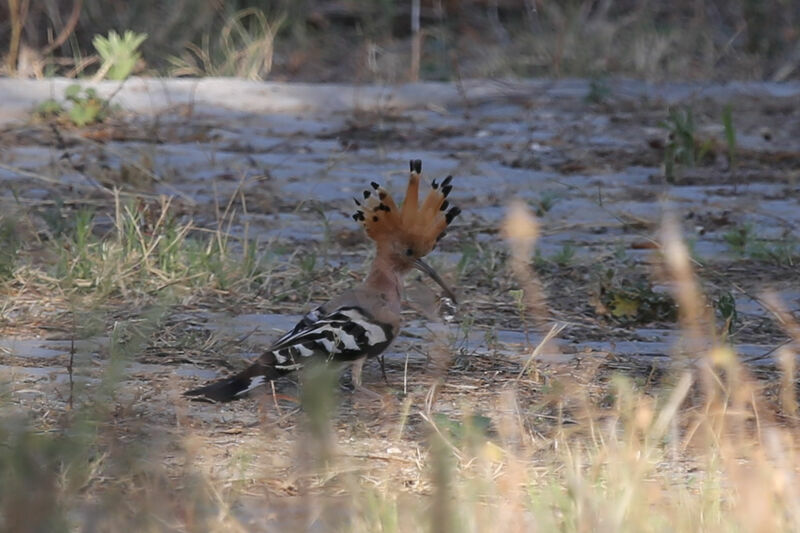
<point x="224" y="390"/>
<point x="233" y="388"/>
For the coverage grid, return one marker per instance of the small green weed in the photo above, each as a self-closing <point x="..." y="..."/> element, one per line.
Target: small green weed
<point x="519" y="303"/>
<point x="119" y="54"/>
<point x="680" y="148"/>
<point x="50" y="108"/>
<point x="739" y="238"/>
<point x="480" y="258"/>
<point x="87" y="108"/>
<point x="725" y="306"/>
<point x="782" y="252"/>
<point x="743" y="241"/>
<point x="632" y="301"/>
<point x="465" y="327"/>
<point x="546" y="203"/>
<point x="82" y="107"/>
<point x="469" y="251"/>
<point x="564" y="256"/>
<point x="599" y="90"/>
<point x="621" y="252"/>
<point x="683" y="147"/>
<point x="308" y="262"/>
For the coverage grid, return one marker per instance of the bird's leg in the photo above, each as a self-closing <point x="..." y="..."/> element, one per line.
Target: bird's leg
<point x="355" y="373"/>
<point x="383" y="368"/>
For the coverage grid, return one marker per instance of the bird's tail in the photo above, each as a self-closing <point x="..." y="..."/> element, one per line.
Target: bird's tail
<point x="233" y="388"/>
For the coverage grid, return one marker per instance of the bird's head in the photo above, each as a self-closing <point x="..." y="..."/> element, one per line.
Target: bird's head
<point x="404" y="235"/>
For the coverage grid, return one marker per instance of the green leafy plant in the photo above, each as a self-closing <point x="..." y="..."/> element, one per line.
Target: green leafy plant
<point x="480" y="258"/>
<point x="743" y="241"/>
<point x="469" y="253"/>
<point x="739" y="238"/>
<point x="633" y="301"/>
<point x="119" y="53"/>
<point x="564" y="256"/>
<point x="50" y="108"/>
<point x="87" y="107"/>
<point x="683" y="147"/>
<point x="546" y="203"/>
<point x="82" y="107"/>
<point x="726" y="308"/>
<point x="782" y="252"/>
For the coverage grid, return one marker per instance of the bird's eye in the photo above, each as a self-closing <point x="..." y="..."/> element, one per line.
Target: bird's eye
<point x="409" y="252"/>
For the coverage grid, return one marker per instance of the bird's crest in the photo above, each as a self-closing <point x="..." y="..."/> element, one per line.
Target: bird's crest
<point x="420" y="225"/>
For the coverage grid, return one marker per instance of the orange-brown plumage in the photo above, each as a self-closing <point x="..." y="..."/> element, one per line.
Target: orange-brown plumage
<point x="415" y="227"/>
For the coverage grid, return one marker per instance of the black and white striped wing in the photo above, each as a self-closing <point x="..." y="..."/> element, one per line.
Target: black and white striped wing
<point x="345" y="334"/>
<point x="306" y="322"/>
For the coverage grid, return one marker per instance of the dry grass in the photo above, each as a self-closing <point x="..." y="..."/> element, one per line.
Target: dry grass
<point x="326" y="40"/>
<point x="472" y="443"/>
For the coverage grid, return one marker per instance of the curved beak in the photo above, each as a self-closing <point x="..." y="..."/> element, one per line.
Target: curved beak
<point x="422" y="266"/>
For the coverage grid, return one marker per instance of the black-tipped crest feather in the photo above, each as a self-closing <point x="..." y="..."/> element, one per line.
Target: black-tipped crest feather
<point x="453" y="213"/>
<point x="417" y="222"/>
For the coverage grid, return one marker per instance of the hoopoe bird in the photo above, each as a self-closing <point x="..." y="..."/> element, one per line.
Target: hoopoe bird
<point x="362" y="322"/>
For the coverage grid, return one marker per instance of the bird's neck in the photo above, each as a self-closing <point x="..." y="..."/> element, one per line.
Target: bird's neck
<point x="384" y="278"/>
